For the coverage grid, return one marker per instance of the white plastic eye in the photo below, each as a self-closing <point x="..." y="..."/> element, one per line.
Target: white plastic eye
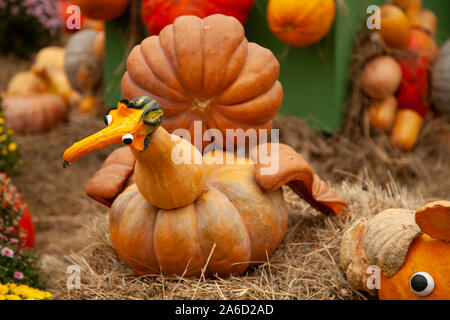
<point x="108" y="119"/>
<point x="422" y="284"/>
<point x="127" y="138"/>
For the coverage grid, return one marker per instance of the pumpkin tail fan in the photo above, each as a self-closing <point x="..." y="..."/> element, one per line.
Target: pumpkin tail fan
<point x="294" y="171"/>
<point x="114" y="176"/>
<point x="319" y="196"/>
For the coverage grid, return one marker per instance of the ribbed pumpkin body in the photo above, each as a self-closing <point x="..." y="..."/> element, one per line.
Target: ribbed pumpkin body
<point x="233" y="224"/>
<point x="301" y="22"/>
<point x="425" y="255"/>
<point x="206" y="70"/>
<point x="441" y="81"/>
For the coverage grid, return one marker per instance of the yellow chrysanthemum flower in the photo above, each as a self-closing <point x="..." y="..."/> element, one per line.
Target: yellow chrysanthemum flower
<point x="10" y="132"/>
<point x="4" y="152"/>
<point x="12" y="147"/>
<point x="2" y="121"/>
<point x="12" y="297"/>
<point x="3" y="138"/>
<point x="27" y="293"/>
<point x="3" y="289"/>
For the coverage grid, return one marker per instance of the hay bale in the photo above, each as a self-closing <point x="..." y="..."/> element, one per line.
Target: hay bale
<point x="305" y="265"/>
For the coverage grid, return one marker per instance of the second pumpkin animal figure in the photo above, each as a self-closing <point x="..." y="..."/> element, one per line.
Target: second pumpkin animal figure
<point x="188" y="217"/>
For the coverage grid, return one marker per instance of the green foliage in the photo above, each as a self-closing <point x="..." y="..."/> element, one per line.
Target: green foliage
<point x="18" y="265"/>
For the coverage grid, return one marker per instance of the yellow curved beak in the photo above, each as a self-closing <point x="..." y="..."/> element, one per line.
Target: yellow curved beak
<point x="123" y="121"/>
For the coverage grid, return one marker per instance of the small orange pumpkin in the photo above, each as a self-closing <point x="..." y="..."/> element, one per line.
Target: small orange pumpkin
<point x="395" y="26"/>
<point x="411" y="250"/>
<point x="301" y="22"/>
<point x="382" y="114"/>
<point x="206" y="70"/>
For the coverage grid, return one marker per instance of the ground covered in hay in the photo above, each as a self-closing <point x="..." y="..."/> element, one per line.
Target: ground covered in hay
<point x="73" y="229"/>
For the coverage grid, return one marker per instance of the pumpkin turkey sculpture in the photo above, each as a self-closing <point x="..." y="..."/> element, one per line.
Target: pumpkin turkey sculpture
<point x="182" y="217"/>
<point x="411" y="249"/>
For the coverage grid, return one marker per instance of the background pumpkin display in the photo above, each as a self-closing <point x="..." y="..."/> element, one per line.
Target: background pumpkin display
<point x="35" y="113"/>
<point x="409" y="52"/>
<point x="206" y="70"/>
<point x="102" y="9"/>
<point x="38" y="100"/>
<point x="160" y="13"/>
<point x="395" y="26"/>
<point x="83" y="64"/>
<point x="301" y="22"/>
<point x="441" y="81"/>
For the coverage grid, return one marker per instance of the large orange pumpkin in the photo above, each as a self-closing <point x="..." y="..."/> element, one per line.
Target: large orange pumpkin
<point x="206" y="70"/>
<point x="102" y="9"/>
<point x="301" y="22"/>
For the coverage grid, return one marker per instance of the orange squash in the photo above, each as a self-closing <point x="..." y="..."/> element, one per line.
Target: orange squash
<point x="193" y="216"/>
<point x="395" y="26"/>
<point x="102" y="9"/>
<point x="49" y="65"/>
<point x="205" y="70"/>
<point x="406" y="129"/>
<point x="411" y="250"/>
<point x="301" y="22"/>
<point x="411" y="8"/>
<point x="382" y="114"/>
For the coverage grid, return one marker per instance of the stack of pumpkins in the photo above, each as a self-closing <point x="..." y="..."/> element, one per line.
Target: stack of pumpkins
<point x="39" y="99"/>
<point x="401" y="89"/>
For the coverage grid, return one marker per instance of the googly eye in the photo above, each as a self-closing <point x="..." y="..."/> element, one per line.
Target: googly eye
<point x="422" y="284"/>
<point x="127" y="138"/>
<point x="108" y="119"/>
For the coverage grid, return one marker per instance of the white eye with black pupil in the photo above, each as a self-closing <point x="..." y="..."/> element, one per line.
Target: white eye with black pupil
<point x="108" y="119"/>
<point x="127" y="138"/>
<point x="422" y="284"/>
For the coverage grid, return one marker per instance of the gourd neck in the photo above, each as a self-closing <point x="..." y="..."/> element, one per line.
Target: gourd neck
<point x="162" y="178"/>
